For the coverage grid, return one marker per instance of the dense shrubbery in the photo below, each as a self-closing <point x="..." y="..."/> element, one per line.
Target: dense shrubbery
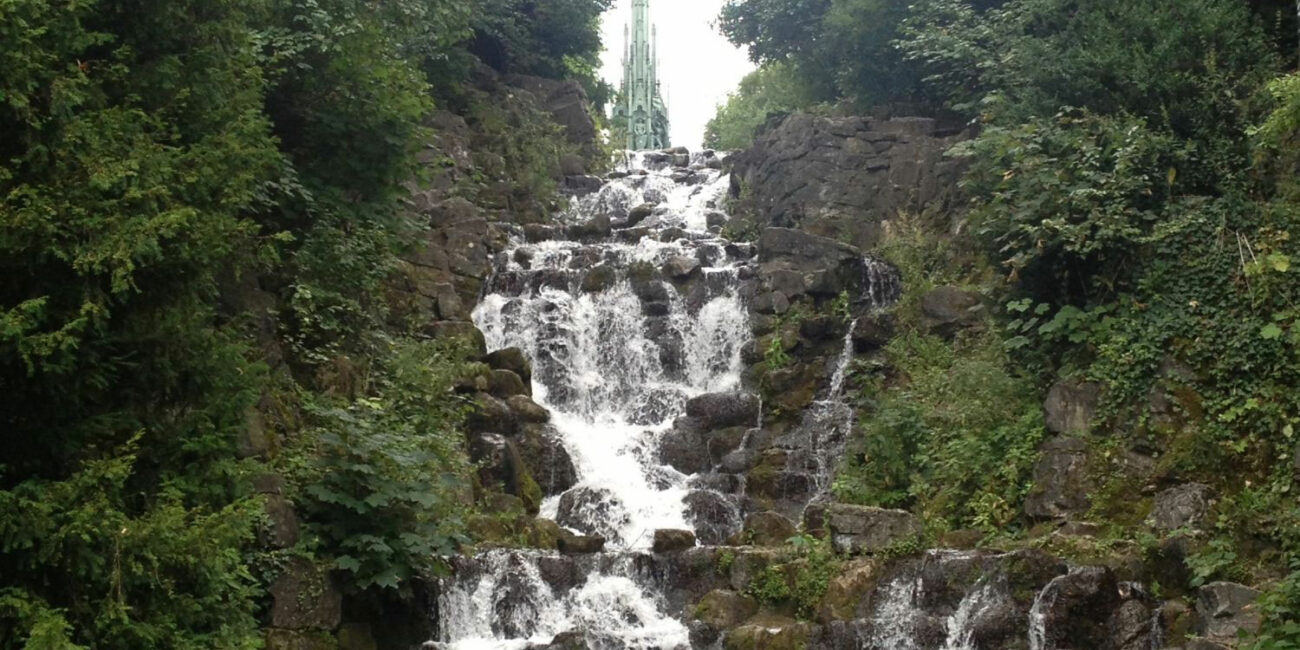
<point x="160" y="162"/>
<point x="772" y="89"/>
<point x="1132" y="176"/>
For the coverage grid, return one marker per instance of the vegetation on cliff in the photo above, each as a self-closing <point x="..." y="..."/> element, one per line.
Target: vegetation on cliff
<point x="200" y="205"/>
<point x="1130" y="173"/>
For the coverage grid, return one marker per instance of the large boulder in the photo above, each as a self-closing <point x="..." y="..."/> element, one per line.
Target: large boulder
<point x="668" y="540"/>
<point x="720" y="410"/>
<point x="594" y="511"/>
<point x="1070" y="406"/>
<point x="1061" y="481"/>
<point x="1226" y="608"/>
<point x="512" y="359"/>
<point x="946" y="310"/>
<point x="864" y="529"/>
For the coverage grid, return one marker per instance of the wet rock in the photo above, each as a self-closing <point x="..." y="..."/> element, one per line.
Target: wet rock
<point x="599" y="279"/>
<point x="305" y="596"/>
<point x="715" y="219"/>
<point x="536" y="232"/>
<point x="500" y="466"/>
<point x="1076" y="608"/>
<point x="580" y="544"/>
<point x="592" y="510"/>
<point x="713" y="516"/>
<point x="872" y="332"/>
<point x="766" y="529"/>
<point x="1226" y="608"/>
<point x="559" y="572"/>
<point x="599" y="227"/>
<point x="863" y="529"/>
<point x="1183" y="506"/>
<point x="1070" y="406"/>
<point x="581" y="184"/>
<point x="512" y="359"/>
<point x="719" y="410"/>
<point x="571" y="640"/>
<point x="667" y="540"/>
<point x="639" y="213"/>
<point x="681" y="267"/>
<point x="685" y="448"/>
<point x="1061" y="481"/>
<point x="526" y="410"/>
<point x="724" y="609"/>
<point x="548" y="461"/>
<point x="946" y="310"/>
<point x="505" y="384"/>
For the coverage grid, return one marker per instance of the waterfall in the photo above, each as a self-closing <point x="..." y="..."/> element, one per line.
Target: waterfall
<point x="623" y="325"/>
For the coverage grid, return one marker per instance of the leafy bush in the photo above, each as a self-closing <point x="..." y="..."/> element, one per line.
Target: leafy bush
<point x="955" y="439"/>
<point x="88" y="567"/>
<point x="386" y="489"/>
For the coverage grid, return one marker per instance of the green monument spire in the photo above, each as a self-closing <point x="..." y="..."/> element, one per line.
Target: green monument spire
<point x="642" y="110"/>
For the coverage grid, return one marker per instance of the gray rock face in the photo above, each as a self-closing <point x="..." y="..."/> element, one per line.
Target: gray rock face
<point x="1183" y="506"/>
<point x="1071" y="405"/>
<point x="842" y="176"/>
<point x="947" y="310"/>
<point x="500" y="466"/>
<point x="725" y="609"/>
<point x="863" y="529"/>
<point x="684" y="447"/>
<point x="720" y="410"/>
<point x="794" y="263"/>
<point x="1224" y="608"/>
<point x="1061" y="483"/>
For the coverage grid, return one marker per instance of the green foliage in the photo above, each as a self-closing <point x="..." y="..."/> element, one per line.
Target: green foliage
<point x="773" y="88"/>
<point x="799" y="583"/>
<point x="955" y="439"/>
<point x="384" y="490"/>
<point x="1066" y="202"/>
<point x="88" y="567"/>
<point x="166" y="167"/>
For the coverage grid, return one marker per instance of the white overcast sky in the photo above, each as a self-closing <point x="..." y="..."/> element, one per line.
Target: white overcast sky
<point x="697" y="66"/>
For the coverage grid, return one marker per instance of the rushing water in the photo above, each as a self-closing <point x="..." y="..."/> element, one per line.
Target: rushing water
<point x="619" y="342"/>
<point x="623" y="327"/>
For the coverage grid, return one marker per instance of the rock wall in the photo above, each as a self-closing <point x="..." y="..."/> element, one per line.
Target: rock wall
<point x="840" y="177"/>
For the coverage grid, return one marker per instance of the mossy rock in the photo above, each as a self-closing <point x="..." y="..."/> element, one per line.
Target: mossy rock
<point x="846" y="593"/>
<point x="724" y="609"/>
<point x="769" y="634"/>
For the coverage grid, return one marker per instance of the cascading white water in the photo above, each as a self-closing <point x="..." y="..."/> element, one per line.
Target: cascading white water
<point x="621" y="332"/>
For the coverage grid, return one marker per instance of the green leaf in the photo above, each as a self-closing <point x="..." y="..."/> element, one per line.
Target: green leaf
<point x="1270" y="332"/>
